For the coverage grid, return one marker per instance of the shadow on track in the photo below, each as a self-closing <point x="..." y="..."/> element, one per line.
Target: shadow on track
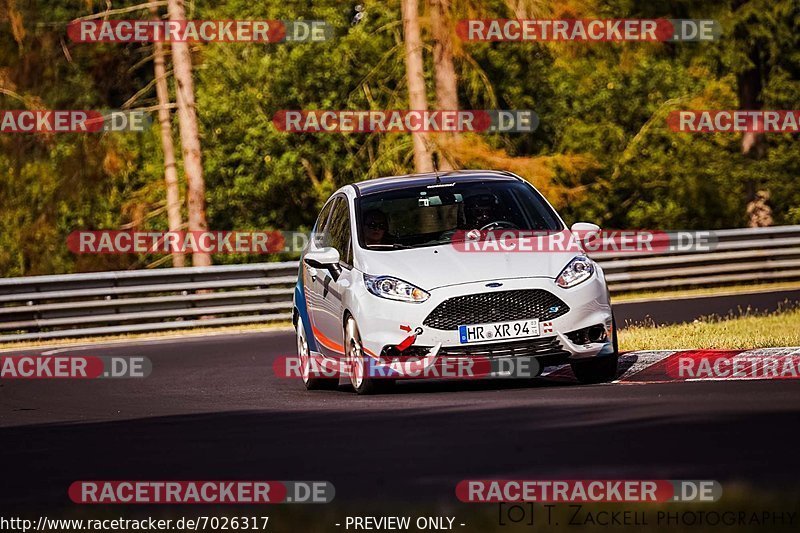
<point x="415" y="455"/>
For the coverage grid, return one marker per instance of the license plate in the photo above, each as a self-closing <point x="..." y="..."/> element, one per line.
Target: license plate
<point x="515" y="329"/>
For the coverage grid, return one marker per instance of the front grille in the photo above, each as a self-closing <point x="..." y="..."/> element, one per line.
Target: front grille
<point x="496" y="307"/>
<point x="548" y="349"/>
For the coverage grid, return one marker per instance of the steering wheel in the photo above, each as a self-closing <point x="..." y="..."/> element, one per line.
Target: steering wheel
<point x="498" y="224"/>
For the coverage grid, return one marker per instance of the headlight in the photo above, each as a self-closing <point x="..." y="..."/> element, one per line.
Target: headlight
<point x="394" y="289"/>
<point x="577" y="271"/>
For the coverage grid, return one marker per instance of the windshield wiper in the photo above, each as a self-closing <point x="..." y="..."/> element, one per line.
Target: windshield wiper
<point x="395" y="246"/>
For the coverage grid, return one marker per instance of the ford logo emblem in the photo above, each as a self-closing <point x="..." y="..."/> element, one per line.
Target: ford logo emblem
<point x="494" y="285"/>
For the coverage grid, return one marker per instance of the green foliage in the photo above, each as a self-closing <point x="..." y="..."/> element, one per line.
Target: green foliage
<point x="603" y="102"/>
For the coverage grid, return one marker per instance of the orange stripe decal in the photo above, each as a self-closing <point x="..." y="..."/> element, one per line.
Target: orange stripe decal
<point x="326" y="342"/>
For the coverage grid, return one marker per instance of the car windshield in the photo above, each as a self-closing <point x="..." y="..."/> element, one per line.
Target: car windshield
<point x="435" y="214"/>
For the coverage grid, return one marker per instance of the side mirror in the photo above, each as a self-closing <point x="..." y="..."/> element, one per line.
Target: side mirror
<point x="324" y="258"/>
<point x="585" y="231"/>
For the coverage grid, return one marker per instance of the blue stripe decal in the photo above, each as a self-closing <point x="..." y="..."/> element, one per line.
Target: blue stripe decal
<point x="302" y="311"/>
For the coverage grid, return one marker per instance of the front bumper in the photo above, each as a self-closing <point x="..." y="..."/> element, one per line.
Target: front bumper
<point x="384" y="324"/>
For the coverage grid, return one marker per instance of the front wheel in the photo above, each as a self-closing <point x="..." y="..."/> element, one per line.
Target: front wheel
<point x="599" y="369"/>
<point x="359" y="364"/>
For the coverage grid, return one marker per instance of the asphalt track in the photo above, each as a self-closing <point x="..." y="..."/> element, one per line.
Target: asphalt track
<point x="213" y="409"/>
<point x="668" y="310"/>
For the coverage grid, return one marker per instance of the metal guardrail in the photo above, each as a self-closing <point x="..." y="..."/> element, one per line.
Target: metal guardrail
<point x="103" y="303"/>
<point x="738" y="256"/>
<point x="47" y="307"/>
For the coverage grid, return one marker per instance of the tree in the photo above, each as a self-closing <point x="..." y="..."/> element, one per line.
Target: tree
<point x="415" y="76"/>
<point x="190" y="136"/>
<point x="444" y="71"/>
<point x="165" y="125"/>
<point x="470" y="150"/>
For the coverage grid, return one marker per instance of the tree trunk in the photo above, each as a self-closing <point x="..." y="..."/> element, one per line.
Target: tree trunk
<point x="444" y="71"/>
<point x="750" y="86"/>
<point x="190" y="137"/>
<point x="416" y="82"/>
<point x="170" y="169"/>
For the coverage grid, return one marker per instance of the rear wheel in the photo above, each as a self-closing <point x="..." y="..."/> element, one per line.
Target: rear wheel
<point x="306" y="368"/>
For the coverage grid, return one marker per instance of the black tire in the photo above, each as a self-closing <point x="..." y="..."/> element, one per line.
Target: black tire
<point x="599" y="369"/>
<point x="303" y="353"/>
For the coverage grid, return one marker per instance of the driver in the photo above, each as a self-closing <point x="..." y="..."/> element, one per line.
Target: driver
<point x="479" y="210"/>
<point x="375" y="227"/>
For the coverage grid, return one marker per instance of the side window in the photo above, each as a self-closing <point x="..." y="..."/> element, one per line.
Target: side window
<point x="338" y="231"/>
<point x="322" y="222"/>
<point x="322" y="219"/>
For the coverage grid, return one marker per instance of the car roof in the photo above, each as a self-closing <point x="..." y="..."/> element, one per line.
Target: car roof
<point x="415" y="180"/>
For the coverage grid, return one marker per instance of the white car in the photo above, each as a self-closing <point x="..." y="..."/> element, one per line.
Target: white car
<point x="386" y="275"/>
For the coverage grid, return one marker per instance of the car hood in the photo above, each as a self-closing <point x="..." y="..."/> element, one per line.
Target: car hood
<point x="439" y="266"/>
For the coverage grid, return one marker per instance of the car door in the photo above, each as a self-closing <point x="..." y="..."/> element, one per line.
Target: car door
<point x="328" y="305"/>
<point x="313" y="277"/>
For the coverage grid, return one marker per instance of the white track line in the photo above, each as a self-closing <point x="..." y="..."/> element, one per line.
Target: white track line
<point x="140" y="341"/>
